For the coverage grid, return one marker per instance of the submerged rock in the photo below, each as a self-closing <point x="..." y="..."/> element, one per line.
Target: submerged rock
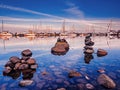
<point x="25" y="82"/>
<point x="101" y="52"/>
<point x="74" y="74"/>
<point x="106" y="81"/>
<point x="101" y="70"/>
<point x="89" y="86"/>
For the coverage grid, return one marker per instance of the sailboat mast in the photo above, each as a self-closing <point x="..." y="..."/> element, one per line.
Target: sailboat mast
<point x="2" y="25"/>
<point x="64" y="26"/>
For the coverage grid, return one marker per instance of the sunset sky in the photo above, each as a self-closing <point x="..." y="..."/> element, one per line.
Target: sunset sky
<point x="86" y="15"/>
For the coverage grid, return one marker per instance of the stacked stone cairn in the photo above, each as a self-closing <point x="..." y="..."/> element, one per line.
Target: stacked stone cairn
<point x="26" y="65"/>
<point x="88" y="49"/>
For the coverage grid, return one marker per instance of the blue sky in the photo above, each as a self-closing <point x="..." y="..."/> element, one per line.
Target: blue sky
<point x="63" y="8"/>
<point x="60" y="9"/>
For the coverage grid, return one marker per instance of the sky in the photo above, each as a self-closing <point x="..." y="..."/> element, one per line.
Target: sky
<point x="39" y="15"/>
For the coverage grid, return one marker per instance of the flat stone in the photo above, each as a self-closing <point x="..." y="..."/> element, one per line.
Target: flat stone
<point x="88" y="51"/>
<point x="25" y="82"/>
<point x="106" y="81"/>
<point x="81" y="86"/>
<point x="14" y="59"/>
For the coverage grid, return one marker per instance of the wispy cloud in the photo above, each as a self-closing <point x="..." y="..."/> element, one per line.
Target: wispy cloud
<point x="74" y="10"/>
<point x="28" y="11"/>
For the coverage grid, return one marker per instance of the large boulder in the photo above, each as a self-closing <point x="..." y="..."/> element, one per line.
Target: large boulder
<point x="101" y="52"/>
<point x="106" y="81"/>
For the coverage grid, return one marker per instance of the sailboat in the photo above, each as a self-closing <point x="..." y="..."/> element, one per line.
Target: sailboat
<point x="5" y="34"/>
<point x="63" y="33"/>
<point x="72" y="33"/>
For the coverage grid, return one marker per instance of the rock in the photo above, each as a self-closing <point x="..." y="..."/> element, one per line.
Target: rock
<point x="33" y="66"/>
<point x="23" y="61"/>
<point x="89" y="43"/>
<point x="74" y="74"/>
<point x="61" y="89"/>
<point x="101" y="70"/>
<point x="14" y="59"/>
<point x="6" y="71"/>
<point x="17" y="65"/>
<point x="23" y="66"/>
<point x="31" y="61"/>
<point x="25" y="82"/>
<point x="89" y="86"/>
<point x="101" y="52"/>
<point x="88" y="47"/>
<point x="26" y="52"/>
<point x="87" y="58"/>
<point x="25" y="57"/>
<point x="87" y="39"/>
<point x="106" y="81"/>
<point x="88" y="51"/>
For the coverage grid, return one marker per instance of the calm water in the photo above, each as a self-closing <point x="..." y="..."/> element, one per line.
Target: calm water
<point x="58" y="67"/>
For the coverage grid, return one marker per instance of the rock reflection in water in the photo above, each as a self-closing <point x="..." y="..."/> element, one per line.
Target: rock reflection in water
<point x="61" y="47"/>
<point x="88" y="58"/>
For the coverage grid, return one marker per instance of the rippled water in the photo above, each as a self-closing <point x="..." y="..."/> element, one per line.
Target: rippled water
<point x="58" y="67"/>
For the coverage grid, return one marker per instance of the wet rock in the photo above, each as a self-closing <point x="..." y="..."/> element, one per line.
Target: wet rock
<point x="101" y="71"/>
<point x="17" y="65"/>
<point x="23" y="61"/>
<point x="25" y="57"/>
<point x="89" y="86"/>
<point x="87" y="58"/>
<point x="33" y="66"/>
<point x="61" y="89"/>
<point x="87" y="39"/>
<point x="88" y="51"/>
<point x="23" y="66"/>
<point x="25" y="82"/>
<point x="14" y="59"/>
<point x="106" y="81"/>
<point x="31" y="61"/>
<point x="87" y="77"/>
<point x="6" y="71"/>
<point x="89" y="43"/>
<point x="101" y="52"/>
<point x="74" y="74"/>
<point x="26" y="52"/>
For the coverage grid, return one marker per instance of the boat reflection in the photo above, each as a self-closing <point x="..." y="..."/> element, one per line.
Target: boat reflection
<point x="61" y="47"/>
